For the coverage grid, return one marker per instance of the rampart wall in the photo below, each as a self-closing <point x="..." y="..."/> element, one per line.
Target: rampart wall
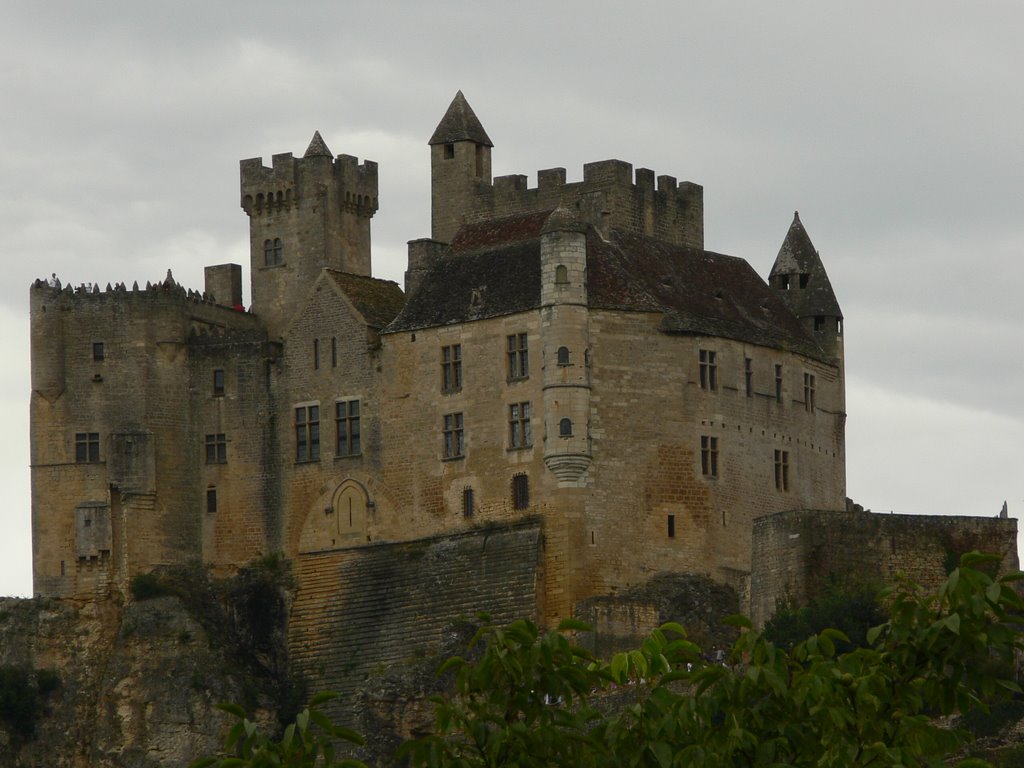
<point x="608" y="196"/>
<point x="795" y="552"/>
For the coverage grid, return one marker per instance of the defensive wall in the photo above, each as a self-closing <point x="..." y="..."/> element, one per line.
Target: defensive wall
<point x="795" y="552"/>
<point x="360" y="610"/>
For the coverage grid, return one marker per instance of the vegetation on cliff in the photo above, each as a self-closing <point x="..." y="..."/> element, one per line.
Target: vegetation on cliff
<point x="535" y="699"/>
<point x="528" y="698"/>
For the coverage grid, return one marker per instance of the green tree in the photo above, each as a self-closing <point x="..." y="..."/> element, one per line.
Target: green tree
<point x="307" y="742"/>
<point x="534" y="699"/>
<point x="848" y="605"/>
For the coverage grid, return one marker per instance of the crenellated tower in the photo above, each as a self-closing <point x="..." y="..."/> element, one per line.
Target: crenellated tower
<point x="304" y="215"/>
<point x="611" y="195"/>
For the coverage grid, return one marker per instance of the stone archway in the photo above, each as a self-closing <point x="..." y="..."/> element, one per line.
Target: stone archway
<point x="341" y="524"/>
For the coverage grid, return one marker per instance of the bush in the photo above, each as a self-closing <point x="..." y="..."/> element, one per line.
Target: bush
<point x="851" y="607"/>
<point x="146" y="586"/>
<point x="23" y="692"/>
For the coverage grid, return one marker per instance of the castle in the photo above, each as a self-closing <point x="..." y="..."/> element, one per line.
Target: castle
<point x="566" y="363"/>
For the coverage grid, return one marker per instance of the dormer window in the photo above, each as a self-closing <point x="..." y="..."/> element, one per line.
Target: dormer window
<point x="804" y="277"/>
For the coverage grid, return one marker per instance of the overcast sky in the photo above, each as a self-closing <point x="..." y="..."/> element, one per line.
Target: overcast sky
<point x="895" y="128"/>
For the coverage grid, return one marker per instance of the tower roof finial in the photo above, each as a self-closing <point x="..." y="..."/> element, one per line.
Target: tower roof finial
<point x="317" y="147"/>
<point x="460" y="123"/>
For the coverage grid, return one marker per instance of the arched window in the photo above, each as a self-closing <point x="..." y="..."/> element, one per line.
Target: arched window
<point x="561" y="274"/>
<point x="563" y="356"/>
<point x="565" y="428"/>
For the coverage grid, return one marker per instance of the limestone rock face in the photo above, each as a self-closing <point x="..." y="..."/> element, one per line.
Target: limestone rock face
<point x="138" y="683"/>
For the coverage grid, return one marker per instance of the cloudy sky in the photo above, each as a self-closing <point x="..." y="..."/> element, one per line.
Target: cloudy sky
<point x="893" y="127"/>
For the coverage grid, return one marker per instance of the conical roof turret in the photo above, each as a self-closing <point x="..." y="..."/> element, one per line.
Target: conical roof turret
<point x="460" y="123"/>
<point x="317" y="147"/>
<point x="801" y="277"/>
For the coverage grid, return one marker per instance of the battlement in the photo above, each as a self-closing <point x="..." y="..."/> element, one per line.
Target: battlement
<point x="290" y="179"/>
<point x="611" y="194"/>
<point x="89" y="293"/>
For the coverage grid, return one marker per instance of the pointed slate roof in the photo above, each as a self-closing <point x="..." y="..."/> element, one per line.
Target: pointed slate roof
<point x="460" y="123"/>
<point x="317" y="147"/>
<point x="796" y="257"/>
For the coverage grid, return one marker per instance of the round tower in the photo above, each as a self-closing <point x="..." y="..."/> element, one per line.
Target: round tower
<point x="565" y="325"/>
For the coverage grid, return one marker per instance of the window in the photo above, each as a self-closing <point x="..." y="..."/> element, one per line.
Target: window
<point x="467" y="502"/>
<point x="563" y="356"/>
<point x="782" y="470"/>
<point x="97" y="351"/>
<point x="804" y="277"/>
<point x="708" y="369"/>
<point x="211" y="499"/>
<point x="819" y="323"/>
<point x="748" y="375"/>
<point x="87" y="447"/>
<point x="334" y="351"/>
<point x="778" y="383"/>
<point x="565" y="428"/>
<point x="449" y="151"/>
<point x="451" y="368"/>
<point x="519" y="435"/>
<point x="561" y="274"/>
<point x="216" y="449"/>
<point x="307" y="433"/>
<point x="709" y="456"/>
<point x="809" y="392"/>
<point x="273" y="252"/>
<point x="479" y="161"/>
<point x="518" y="357"/>
<point x="520" y="491"/>
<point x="316" y="354"/>
<point x="454" y="441"/>
<point x="218" y="382"/>
<point x="346" y="419"/>
<point x="671" y="526"/>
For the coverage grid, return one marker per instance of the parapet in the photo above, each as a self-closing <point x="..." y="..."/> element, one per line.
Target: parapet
<point x="289" y="179"/>
<point x="610" y="195"/>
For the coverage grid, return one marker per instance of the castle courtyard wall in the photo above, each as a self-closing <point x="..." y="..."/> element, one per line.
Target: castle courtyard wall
<point x="797" y="551"/>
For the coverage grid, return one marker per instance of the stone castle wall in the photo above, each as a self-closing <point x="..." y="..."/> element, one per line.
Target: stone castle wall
<point x="361" y="610"/>
<point x="795" y="551"/>
<point x="119" y="424"/>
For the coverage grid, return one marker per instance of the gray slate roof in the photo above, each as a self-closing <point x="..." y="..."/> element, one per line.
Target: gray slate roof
<point x="798" y="256"/>
<point x="493" y="269"/>
<point x="460" y="123"/>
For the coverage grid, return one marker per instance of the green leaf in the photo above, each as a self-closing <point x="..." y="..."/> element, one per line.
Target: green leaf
<point x="349" y="735"/>
<point x="953" y="622"/>
<point x="574" y="625"/>
<point x="231" y="709"/>
<point x="738" y="620"/>
<point x="873" y="633"/>
<point x="322" y="697"/>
